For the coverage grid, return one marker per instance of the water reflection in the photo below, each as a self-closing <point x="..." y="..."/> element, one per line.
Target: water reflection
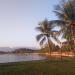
<point x="19" y="57"/>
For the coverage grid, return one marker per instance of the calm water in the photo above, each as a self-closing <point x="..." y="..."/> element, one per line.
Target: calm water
<point x="17" y="58"/>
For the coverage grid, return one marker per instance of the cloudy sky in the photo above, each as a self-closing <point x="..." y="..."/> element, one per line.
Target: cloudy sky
<point x="18" y="19"/>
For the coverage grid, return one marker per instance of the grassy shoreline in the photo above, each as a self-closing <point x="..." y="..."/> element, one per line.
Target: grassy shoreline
<point x="43" y="67"/>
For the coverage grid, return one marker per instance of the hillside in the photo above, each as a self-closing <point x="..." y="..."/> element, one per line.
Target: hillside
<point x="24" y="50"/>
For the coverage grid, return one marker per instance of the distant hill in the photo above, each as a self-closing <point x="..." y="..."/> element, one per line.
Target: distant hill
<point x="17" y="50"/>
<point x="24" y="50"/>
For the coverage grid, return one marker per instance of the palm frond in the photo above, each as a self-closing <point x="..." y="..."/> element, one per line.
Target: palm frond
<point x="55" y="33"/>
<point x="43" y="40"/>
<point x="58" y="23"/>
<point x="59" y="14"/>
<point x="40" y="29"/>
<point x="57" y="40"/>
<point x="38" y="37"/>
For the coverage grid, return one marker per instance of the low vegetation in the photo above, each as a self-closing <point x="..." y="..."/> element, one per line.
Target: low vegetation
<point x="45" y="67"/>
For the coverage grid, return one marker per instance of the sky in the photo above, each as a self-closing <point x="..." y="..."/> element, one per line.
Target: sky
<point x="19" y="18"/>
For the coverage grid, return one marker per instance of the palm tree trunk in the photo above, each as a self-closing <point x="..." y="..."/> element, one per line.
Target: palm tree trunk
<point x="61" y="54"/>
<point x="73" y="38"/>
<point x="73" y="48"/>
<point x="49" y="47"/>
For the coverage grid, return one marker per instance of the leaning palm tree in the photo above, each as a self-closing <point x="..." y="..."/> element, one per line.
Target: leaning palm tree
<point x="66" y="13"/>
<point x="45" y="28"/>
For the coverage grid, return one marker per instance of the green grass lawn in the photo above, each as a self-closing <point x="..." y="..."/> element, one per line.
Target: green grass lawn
<point x="44" y="67"/>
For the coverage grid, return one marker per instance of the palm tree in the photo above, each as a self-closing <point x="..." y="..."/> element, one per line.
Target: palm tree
<point x="66" y="13"/>
<point x="45" y="28"/>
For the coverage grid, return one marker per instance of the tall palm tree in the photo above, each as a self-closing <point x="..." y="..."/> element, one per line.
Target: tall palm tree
<point x="66" y="12"/>
<point x="45" y="28"/>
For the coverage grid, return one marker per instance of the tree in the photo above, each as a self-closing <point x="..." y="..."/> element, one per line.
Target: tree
<point x="66" y="12"/>
<point x="45" y="28"/>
